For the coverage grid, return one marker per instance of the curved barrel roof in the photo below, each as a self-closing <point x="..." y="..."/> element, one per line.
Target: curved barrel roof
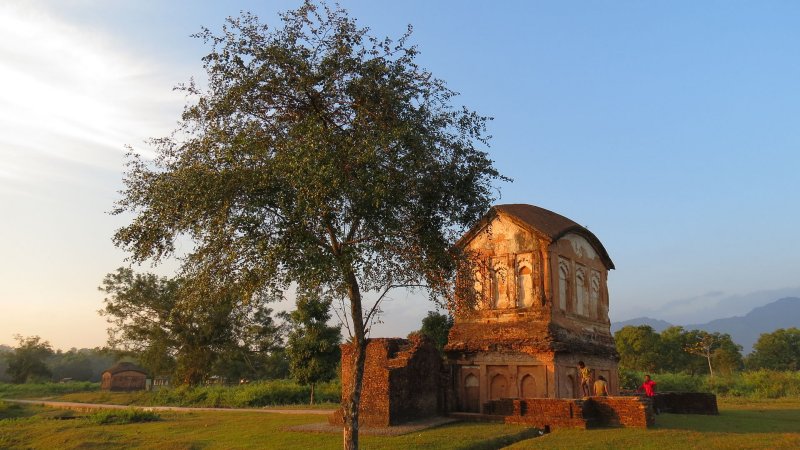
<point x="551" y="224"/>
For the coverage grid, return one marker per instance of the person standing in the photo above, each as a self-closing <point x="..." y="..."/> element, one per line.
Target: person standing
<point x="648" y="387"/>
<point x="586" y="378"/>
<point x="601" y="387"/>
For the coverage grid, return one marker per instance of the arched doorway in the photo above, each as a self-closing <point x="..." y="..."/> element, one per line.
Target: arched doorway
<point x="471" y="394"/>
<point x="527" y="388"/>
<point x="569" y="387"/>
<point x="498" y="388"/>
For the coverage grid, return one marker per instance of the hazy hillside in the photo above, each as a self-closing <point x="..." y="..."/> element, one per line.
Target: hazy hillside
<point x="656" y="324"/>
<point x="744" y="330"/>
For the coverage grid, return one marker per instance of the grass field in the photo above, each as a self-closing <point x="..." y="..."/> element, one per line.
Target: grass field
<point x="741" y="424"/>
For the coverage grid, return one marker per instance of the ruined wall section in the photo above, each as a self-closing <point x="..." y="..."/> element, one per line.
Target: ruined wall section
<point x="401" y="381"/>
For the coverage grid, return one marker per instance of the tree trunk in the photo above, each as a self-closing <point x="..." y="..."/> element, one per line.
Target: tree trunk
<point x="312" y="393"/>
<point x="350" y="432"/>
<point x="710" y="370"/>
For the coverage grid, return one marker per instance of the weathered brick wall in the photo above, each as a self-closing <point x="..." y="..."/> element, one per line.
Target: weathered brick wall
<point x="686" y="403"/>
<point x="621" y="411"/>
<point x="575" y="413"/>
<point x="414" y="379"/>
<point x="401" y="381"/>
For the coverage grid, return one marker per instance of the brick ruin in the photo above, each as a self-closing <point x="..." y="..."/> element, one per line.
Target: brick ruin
<point x="401" y="381"/>
<point x="542" y="306"/>
<point x="124" y="376"/>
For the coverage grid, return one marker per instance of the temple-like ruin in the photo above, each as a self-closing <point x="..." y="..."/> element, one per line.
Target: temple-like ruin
<point x="542" y="306"/>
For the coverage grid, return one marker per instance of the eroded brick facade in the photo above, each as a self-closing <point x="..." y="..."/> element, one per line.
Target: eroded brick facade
<point x="401" y="381"/>
<point x="541" y="305"/>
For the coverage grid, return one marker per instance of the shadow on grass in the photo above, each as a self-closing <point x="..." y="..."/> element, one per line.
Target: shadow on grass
<point x="737" y="421"/>
<point x="504" y="441"/>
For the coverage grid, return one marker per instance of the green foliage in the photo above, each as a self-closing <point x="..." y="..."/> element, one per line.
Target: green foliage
<point x="35" y="390"/>
<point x="677" y="350"/>
<point x="638" y="348"/>
<point x="250" y="395"/>
<point x="27" y="361"/>
<point x="317" y="152"/>
<point x="173" y="327"/>
<point x="122" y="416"/>
<point x="779" y="350"/>
<point x="437" y="326"/>
<point x="312" y="345"/>
<point x="9" y="410"/>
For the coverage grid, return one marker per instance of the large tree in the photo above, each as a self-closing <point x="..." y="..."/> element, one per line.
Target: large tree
<point x="779" y="350"/>
<point x="638" y="348"/>
<point x="437" y="327"/>
<point x="316" y="151"/>
<point x="172" y="328"/>
<point x="27" y="361"/>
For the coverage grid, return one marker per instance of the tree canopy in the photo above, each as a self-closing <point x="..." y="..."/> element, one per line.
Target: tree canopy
<point x="312" y="345"/>
<point x="779" y="350"/>
<point x="27" y="361"/>
<point x="676" y="350"/>
<point x="171" y="331"/>
<point x="316" y="152"/>
<point x="437" y="327"/>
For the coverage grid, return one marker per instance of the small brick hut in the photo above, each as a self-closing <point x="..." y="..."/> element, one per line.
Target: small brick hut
<point x="542" y="306"/>
<point x="124" y="376"/>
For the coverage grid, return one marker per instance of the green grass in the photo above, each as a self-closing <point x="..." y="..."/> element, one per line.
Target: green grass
<point x="121" y="417"/>
<point x="38" y="390"/>
<point x="220" y="430"/>
<point x="742" y="423"/>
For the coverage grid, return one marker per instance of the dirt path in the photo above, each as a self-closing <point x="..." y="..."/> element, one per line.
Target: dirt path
<point x="91" y="406"/>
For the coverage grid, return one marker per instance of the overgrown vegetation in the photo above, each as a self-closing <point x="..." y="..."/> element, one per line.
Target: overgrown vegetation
<point x="760" y="384"/>
<point x="122" y="416"/>
<point x="38" y="390"/>
<point x="252" y="395"/>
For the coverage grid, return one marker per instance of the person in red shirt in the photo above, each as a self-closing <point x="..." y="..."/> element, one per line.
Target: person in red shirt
<point x="649" y="387"/>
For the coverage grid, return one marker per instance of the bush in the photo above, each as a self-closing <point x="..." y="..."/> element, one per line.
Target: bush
<point x="122" y="416"/>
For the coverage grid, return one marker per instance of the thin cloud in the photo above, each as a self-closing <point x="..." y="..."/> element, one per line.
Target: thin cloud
<point x="72" y="94"/>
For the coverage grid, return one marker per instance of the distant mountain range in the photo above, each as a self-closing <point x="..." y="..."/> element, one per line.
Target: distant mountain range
<point x="745" y="330"/>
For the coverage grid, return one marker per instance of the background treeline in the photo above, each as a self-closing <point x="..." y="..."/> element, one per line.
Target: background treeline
<point x="693" y="360"/>
<point x="696" y="352"/>
<point x="34" y="360"/>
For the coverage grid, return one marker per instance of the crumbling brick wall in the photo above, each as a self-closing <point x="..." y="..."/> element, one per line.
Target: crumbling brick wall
<point x="550" y="413"/>
<point x="686" y="403"/>
<point x="401" y="381"/>
<point x="621" y="411"/>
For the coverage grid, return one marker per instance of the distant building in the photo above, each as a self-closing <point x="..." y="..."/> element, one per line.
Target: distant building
<point x="124" y="376"/>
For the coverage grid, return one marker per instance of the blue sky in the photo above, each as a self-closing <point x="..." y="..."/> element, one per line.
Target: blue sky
<point x="668" y="128"/>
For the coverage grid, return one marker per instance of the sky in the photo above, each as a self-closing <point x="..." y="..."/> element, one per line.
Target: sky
<point x="669" y="129"/>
